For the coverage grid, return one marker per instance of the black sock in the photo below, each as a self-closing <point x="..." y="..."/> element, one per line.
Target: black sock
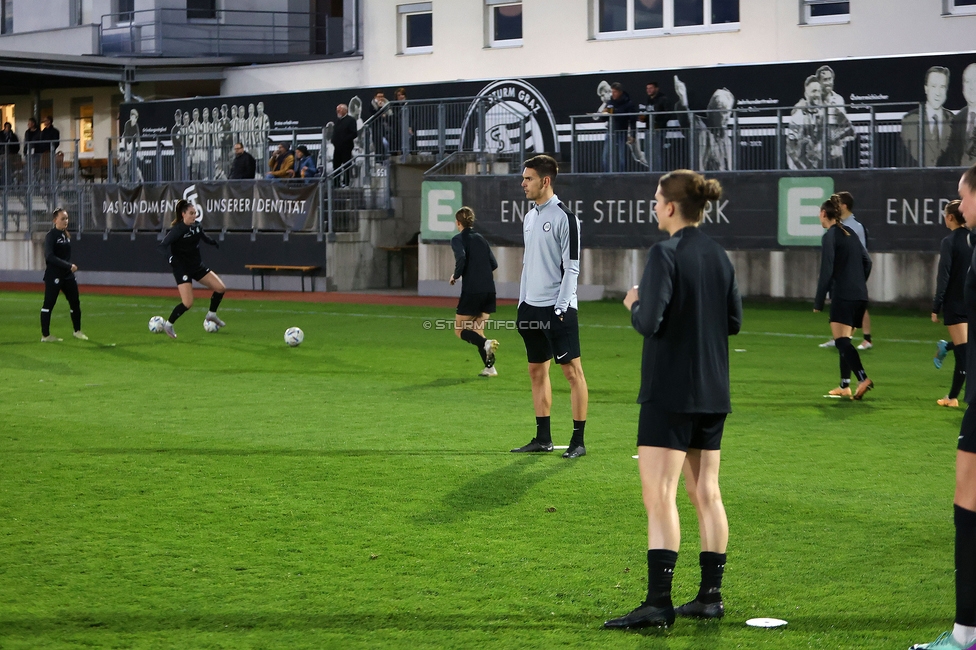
<point x="660" y="572"/>
<point x="965" y="566"/>
<point x="951" y="346"/>
<point x="712" y="570"/>
<point x="959" y="375"/>
<point x="577" y="439"/>
<point x="45" y="322"/>
<point x="845" y="370"/>
<point x="214" y="301"/>
<point x="849" y="352"/>
<point x="867" y="337"/>
<point x="542" y="433"/>
<point x="476" y="340"/>
<point x="178" y="311"/>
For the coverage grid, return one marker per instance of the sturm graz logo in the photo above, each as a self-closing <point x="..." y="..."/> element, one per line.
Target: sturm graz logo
<point x="190" y="196"/>
<point x="508" y="106"/>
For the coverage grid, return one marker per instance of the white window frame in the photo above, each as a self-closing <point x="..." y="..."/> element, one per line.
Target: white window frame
<point x="118" y="14"/>
<point x="413" y="9"/>
<point x="490" y="6"/>
<point x="807" y="19"/>
<point x="949" y="8"/>
<point x="668" y="20"/>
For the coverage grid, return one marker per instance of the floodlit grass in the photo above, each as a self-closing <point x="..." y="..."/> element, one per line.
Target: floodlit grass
<point x="226" y="491"/>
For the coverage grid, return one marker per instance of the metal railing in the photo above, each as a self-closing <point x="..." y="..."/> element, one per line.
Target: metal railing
<point x="186" y="32"/>
<point x="851" y="136"/>
<point x="438" y="128"/>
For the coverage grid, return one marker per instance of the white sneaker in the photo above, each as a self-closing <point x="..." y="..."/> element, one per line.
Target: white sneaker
<point x="212" y="317"/>
<point x="168" y="328"/>
<point x="50" y="338"/>
<point x="489" y="372"/>
<point x="865" y="345"/>
<point x="490" y="346"/>
<point x="829" y="344"/>
<point x="80" y="336"/>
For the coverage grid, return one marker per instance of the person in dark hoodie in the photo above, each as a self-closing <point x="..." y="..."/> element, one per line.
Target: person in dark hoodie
<point x="620" y="124"/>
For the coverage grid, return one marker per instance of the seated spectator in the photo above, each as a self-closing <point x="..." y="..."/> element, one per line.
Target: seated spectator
<point x="281" y="164"/>
<point x="304" y="163"/>
<point x="243" y="166"/>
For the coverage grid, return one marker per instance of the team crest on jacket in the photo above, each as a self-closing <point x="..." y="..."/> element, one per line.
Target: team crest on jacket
<point x="547" y="226"/>
<point x="507" y="105"/>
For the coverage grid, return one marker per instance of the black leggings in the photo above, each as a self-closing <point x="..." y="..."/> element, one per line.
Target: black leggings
<point x="51" y="290"/>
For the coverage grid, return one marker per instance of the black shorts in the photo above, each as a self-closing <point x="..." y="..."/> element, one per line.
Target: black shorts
<point x="848" y="312"/>
<point x="954" y="313"/>
<point x="184" y="275"/>
<point x="476" y="304"/>
<point x="967" y="432"/>
<point x="546" y="336"/>
<point x="658" y="428"/>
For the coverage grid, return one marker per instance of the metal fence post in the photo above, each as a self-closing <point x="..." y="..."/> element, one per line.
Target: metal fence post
<point x="482" y="136"/>
<point x="442" y="130"/>
<point x="779" y="138"/>
<point x="159" y="162"/>
<point x="573" y="168"/>
<point x="824" y="152"/>
<point x="522" y="140"/>
<point x="735" y="141"/>
<point x="404" y="131"/>
<point x="692" y="163"/>
<point x="329" y="208"/>
<point x="649" y="142"/>
<point x="921" y="134"/>
<point x="871" y="143"/>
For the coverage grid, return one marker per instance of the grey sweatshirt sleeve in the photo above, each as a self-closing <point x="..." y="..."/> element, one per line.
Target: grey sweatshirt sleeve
<point x="570" y="242"/>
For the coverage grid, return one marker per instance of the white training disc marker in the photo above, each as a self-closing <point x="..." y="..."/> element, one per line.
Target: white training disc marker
<point x="635" y="456"/>
<point x="560" y="446"/>
<point x="765" y="622"/>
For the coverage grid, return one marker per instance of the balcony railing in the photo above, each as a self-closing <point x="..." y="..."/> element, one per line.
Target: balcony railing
<point x="171" y="32"/>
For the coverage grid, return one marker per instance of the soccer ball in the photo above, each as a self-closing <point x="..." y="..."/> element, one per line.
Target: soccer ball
<point x="294" y="336"/>
<point x="210" y="326"/>
<point x="156" y="324"/>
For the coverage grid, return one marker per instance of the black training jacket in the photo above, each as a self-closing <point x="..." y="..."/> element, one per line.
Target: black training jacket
<point x="57" y="254"/>
<point x="473" y="261"/>
<point x="688" y="306"/>
<point x="954" y="258"/>
<point x="844" y="267"/>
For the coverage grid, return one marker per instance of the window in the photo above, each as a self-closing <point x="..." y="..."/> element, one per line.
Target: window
<point x="416" y="28"/>
<point x="504" y="23"/>
<point x="6" y="16"/>
<point x="201" y="9"/>
<point x="958" y="7"/>
<point x="639" y="17"/>
<point x="126" y="10"/>
<point x="824" y="12"/>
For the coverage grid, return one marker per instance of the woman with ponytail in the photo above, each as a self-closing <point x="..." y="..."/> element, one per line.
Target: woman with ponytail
<point x="686" y="307"/>
<point x="844" y="270"/>
<point x="954" y="258"/>
<point x="59" y="277"/>
<point x="182" y="244"/>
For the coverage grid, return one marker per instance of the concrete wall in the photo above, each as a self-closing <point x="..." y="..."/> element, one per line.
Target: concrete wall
<point x="81" y="40"/>
<point x="558" y="40"/>
<point x="895" y="278"/>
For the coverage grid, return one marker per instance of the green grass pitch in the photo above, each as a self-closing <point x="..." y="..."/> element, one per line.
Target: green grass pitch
<point x="226" y="491"/>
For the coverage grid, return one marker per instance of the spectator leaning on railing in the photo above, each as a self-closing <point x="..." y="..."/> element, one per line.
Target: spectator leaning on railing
<point x="31" y="135"/>
<point x="620" y="127"/>
<point x="282" y="164"/>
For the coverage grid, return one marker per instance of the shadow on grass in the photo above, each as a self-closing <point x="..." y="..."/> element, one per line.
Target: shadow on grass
<point x="443" y="382"/>
<point x="499" y="488"/>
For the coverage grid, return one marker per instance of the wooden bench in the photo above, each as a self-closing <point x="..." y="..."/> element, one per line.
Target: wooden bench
<point x="264" y="269"/>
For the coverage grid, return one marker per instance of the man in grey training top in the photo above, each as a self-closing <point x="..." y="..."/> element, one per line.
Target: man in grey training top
<point x="547" y="317"/>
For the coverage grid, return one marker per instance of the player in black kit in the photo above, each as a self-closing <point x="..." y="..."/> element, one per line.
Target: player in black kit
<point x="844" y="270"/>
<point x="954" y="259"/>
<point x="474" y="262"/>
<point x="686" y="307"/>
<point x="59" y="276"/>
<point x="182" y="244"/>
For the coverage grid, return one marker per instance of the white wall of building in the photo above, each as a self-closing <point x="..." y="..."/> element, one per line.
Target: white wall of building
<point x="557" y="40"/>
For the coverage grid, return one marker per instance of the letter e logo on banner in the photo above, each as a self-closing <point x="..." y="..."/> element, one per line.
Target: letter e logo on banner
<point x="440" y="200"/>
<point x="799" y="209"/>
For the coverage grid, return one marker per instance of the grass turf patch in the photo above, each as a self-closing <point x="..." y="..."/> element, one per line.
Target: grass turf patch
<point x="227" y="491"/>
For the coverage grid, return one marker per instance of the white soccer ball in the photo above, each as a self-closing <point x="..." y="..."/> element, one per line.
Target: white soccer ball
<point x="210" y="326"/>
<point x="156" y="324"/>
<point x="294" y="336"/>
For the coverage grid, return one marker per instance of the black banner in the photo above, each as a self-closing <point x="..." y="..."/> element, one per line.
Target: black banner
<point x="238" y="205"/>
<point x="901" y="210"/>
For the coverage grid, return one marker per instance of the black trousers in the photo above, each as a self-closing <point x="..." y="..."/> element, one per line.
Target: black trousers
<point x="69" y="286"/>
